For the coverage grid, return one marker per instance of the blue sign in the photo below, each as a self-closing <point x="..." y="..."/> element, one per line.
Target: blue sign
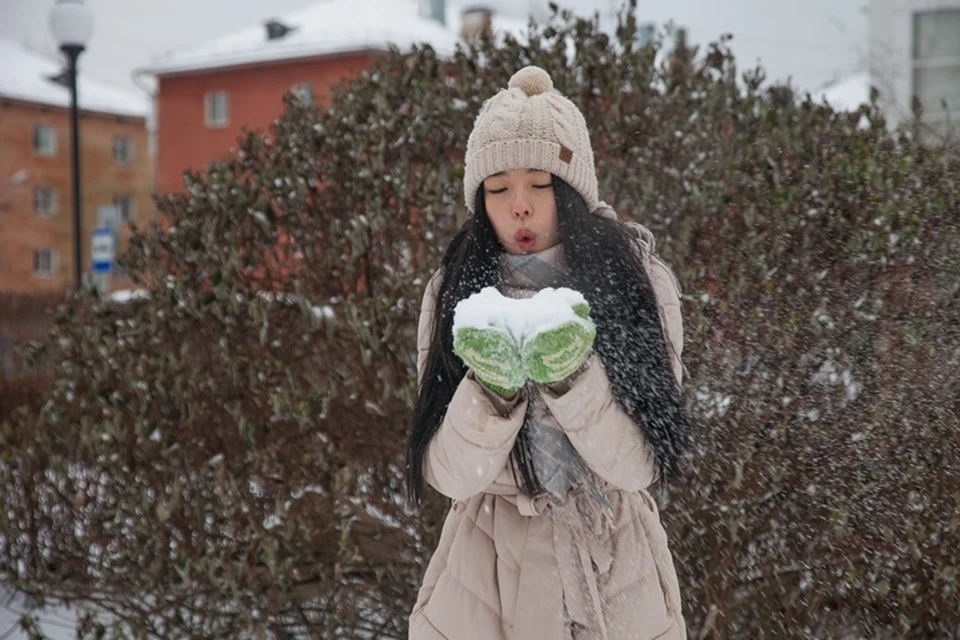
<point x="103" y="250"/>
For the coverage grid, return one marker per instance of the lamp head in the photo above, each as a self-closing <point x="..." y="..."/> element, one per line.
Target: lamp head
<point x="71" y="22"/>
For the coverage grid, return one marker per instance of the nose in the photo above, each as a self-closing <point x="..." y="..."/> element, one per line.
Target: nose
<point x="521" y="208"/>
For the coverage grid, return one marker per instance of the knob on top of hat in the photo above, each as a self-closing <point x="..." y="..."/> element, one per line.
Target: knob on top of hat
<point x="533" y="81"/>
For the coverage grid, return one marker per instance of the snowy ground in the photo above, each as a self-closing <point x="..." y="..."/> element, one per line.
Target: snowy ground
<point x="56" y="623"/>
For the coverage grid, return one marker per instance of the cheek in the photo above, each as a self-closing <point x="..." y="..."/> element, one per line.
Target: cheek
<point x="550" y="209"/>
<point x="499" y="217"/>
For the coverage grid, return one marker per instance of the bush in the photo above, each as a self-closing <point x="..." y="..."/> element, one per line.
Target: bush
<point x="224" y="457"/>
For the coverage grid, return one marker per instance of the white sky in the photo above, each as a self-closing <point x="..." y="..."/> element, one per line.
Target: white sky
<point x="810" y="41"/>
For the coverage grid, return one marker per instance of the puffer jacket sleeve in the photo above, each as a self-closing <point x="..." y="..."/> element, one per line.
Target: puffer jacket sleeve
<point x="668" y="299"/>
<point x="609" y="441"/>
<point x="474" y="441"/>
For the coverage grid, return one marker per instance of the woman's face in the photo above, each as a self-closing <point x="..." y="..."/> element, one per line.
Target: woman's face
<point x="522" y="209"/>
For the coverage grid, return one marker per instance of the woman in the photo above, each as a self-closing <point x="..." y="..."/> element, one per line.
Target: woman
<point x="552" y="533"/>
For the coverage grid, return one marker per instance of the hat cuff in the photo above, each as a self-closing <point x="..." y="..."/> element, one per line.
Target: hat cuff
<point x="528" y="154"/>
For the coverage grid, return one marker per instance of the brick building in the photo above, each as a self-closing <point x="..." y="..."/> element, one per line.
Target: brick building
<point x="208" y="94"/>
<point x="36" y="208"/>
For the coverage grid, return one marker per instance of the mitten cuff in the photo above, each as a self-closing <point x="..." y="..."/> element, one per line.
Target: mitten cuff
<point x="560" y="387"/>
<point x="503" y="405"/>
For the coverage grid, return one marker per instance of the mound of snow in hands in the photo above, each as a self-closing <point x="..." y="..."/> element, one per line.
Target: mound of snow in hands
<point x="521" y="318"/>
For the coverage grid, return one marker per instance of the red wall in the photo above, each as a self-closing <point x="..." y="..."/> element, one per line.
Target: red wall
<point x="183" y="139"/>
<point x="22" y="231"/>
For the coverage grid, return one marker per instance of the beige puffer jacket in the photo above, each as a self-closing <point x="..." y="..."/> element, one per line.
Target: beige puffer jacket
<point x="511" y="568"/>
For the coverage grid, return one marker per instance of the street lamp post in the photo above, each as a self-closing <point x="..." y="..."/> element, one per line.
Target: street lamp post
<point x="71" y="22"/>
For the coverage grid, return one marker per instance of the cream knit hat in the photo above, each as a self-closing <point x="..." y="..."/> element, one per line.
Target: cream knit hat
<point x="528" y="125"/>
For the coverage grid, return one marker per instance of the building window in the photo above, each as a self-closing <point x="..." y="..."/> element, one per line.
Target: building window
<point x="217" y="109"/>
<point x="45" y="201"/>
<point x="44" y="262"/>
<point x="122" y="150"/>
<point x="124" y="206"/>
<point x="936" y="64"/>
<point x="303" y="92"/>
<point x="44" y="140"/>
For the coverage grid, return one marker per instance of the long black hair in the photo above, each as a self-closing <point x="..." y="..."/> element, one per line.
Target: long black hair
<point x="605" y="266"/>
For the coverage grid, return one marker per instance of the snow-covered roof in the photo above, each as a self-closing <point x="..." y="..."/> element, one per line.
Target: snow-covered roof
<point x="325" y="27"/>
<point x="24" y="75"/>
<point x="847" y="94"/>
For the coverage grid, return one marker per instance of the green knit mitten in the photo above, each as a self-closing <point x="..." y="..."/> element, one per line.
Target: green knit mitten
<point x="553" y="354"/>
<point x="494" y="357"/>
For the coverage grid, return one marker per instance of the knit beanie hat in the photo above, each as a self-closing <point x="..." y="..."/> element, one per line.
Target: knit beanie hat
<point x="528" y="125"/>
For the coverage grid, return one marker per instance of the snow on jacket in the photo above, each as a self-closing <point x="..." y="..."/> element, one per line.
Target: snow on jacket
<point x="508" y="567"/>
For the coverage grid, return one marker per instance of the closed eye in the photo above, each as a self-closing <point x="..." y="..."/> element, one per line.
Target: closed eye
<point x="549" y="185"/>
<point x="496" y="191"/>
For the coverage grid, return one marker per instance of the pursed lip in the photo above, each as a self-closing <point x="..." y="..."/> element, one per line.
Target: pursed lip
<point x="525" y="237"/>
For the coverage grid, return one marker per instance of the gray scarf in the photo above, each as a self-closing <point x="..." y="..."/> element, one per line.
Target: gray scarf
<point x="558" y="466"/>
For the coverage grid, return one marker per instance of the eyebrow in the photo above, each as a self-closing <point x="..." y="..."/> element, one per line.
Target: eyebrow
<point x="503" y="173"/>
